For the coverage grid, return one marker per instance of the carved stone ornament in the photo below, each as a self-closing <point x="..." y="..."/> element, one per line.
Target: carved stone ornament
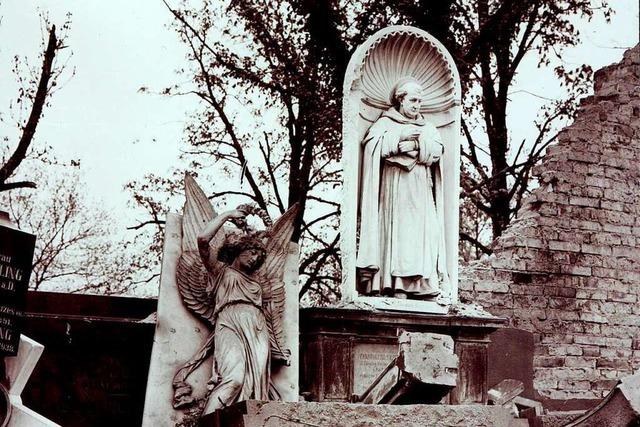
<point x="401" y="162"/>
<point x="231" y="280"/>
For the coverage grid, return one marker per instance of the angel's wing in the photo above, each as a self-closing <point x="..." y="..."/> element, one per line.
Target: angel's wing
<point x="271" y="276"/>
<point x="191" y="275"/>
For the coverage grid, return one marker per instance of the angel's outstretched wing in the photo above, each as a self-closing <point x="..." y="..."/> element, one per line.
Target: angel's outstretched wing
<point x="191" y="274"/>
<point x="271" y="276"/>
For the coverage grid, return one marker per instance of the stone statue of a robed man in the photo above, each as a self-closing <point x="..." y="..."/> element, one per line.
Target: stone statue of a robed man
<point x="401" y="122"/>
<point x="401" y="249"/>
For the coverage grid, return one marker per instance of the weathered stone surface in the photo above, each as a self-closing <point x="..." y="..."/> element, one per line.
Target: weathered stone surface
<point x="505" y="391"/>
<point x="179" y="335"/>
<point x="277" y="414"/>
<point x="423" y="370"/>
<point x="332" y="338"/>
<point x="429" y="358"/>
<point x="369" y="360"/>
<point x="568" y="268"/>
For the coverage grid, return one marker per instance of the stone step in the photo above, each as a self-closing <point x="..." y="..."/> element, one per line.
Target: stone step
<point x="252" y="413"/>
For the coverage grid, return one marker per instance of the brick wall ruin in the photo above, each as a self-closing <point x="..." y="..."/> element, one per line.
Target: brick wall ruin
<point x="568" y="268"/>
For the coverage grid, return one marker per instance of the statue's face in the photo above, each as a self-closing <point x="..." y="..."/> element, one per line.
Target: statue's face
<point x="249" y="260"/>
<point x="410" y="104"/>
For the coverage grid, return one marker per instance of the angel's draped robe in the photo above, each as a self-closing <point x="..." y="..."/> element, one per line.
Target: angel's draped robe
<point x="401" y="241"/>
<point x="241" y="340"/>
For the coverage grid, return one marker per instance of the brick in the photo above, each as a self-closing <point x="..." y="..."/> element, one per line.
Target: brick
<point x="593" y="317"/>
<point x="596" y="249"/>
<point x="604" y="272"/>
<point x="563" y="350"/>
<point x="610" y="205"/>
<point x="580" y="362"/>
<point x="492" y="286"/>
<point x="604" y="384"/>
<point x="591" y="294"/>
<point x="620" y="229"/>
<point x="590" y="225"/>
<point x="597" y="181"/>
<point x="606" y="240"/>
<point x="577" y="270"/>
<point x="626" y="251"/>
<point x="549" y="362"/>
<point x="590" y="340"/>
<point x="574" y="385"/>
<point x="584" y="201"/>
<point x="591" y="351"/>
<point x="621" y="297"/>
<point x="614" y="353"/>
<point x="613" y="363"/>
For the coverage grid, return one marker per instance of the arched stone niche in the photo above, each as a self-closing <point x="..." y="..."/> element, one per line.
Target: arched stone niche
<point x="376" y="66"/>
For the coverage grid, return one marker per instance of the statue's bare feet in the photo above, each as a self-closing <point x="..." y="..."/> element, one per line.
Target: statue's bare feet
<point x="400" y="295"/>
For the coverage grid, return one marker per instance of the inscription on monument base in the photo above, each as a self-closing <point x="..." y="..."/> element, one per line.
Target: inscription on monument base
<point x="369" y="360"/>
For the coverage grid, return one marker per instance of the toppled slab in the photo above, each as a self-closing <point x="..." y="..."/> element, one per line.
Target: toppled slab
<point x="621" y="407"/>
<point x="505" y="391"/>
<point x="252" y="413"/>
<point x="424" y="371"/>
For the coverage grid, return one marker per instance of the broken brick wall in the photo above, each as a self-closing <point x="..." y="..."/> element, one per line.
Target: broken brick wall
<point x="568" y="268"/>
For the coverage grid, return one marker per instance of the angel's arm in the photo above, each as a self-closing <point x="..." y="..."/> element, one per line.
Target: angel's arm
<point x="211" y="230"/>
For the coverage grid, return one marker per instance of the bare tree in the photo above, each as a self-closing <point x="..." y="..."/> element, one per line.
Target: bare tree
<point x="75" y="247"/>
<point x="33" y="97"/>
<point x="283" y="62"/>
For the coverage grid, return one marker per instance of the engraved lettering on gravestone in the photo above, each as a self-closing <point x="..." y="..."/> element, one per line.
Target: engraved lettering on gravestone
<point x="369" y="360"/>
<point x="233" y="280"/>
<point x="16" y="255"/>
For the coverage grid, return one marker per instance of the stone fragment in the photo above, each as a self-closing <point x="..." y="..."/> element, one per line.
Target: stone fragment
<point x="505" y="391"/>
<point x="424" y="371"/>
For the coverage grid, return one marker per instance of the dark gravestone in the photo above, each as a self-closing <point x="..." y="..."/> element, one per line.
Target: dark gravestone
<point x="93" y="371"/>
<point x="510" y="356"/>
<point x="16" y="255"/>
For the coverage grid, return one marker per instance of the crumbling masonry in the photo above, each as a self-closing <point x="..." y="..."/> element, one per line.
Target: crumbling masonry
<point x="568" y="268"/>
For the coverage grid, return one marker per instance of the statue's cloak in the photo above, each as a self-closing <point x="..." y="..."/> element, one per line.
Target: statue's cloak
<point x="401" y="208"/>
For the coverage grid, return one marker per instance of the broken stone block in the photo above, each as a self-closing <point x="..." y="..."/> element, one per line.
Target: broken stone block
<point x="424" y="371"/>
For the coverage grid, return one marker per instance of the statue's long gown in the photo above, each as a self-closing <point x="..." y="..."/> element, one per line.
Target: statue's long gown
<point x="401" y="217"/>
<point x="241" y="352"/>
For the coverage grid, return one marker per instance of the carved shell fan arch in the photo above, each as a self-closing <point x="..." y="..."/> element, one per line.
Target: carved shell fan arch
<point x="401" y="53"/>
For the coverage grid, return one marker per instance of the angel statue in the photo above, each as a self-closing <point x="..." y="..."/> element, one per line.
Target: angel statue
<point x="402" y="248"/>
<point x="233" y="280"/>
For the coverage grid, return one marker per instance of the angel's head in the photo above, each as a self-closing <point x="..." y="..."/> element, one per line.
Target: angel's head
<point x="406" y="97"/>
<point x="245" y="252"/>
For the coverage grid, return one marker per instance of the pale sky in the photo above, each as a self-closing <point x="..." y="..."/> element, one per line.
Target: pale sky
<point x="118" y="46"/>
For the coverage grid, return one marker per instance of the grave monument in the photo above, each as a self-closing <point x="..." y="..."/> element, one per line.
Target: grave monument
<point x="399" y="225"/>
<point x="18" y="353"/>
<point x="227" y="313"/>
<point x="401" y="161"/>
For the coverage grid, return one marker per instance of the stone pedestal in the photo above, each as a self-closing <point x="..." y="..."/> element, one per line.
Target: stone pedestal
<point x="253" y="413"/>
<point x="344" y="350"/>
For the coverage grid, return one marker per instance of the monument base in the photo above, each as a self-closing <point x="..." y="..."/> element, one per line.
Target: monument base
<point x="344" y="349"/>
<point x="253" y="413"/>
